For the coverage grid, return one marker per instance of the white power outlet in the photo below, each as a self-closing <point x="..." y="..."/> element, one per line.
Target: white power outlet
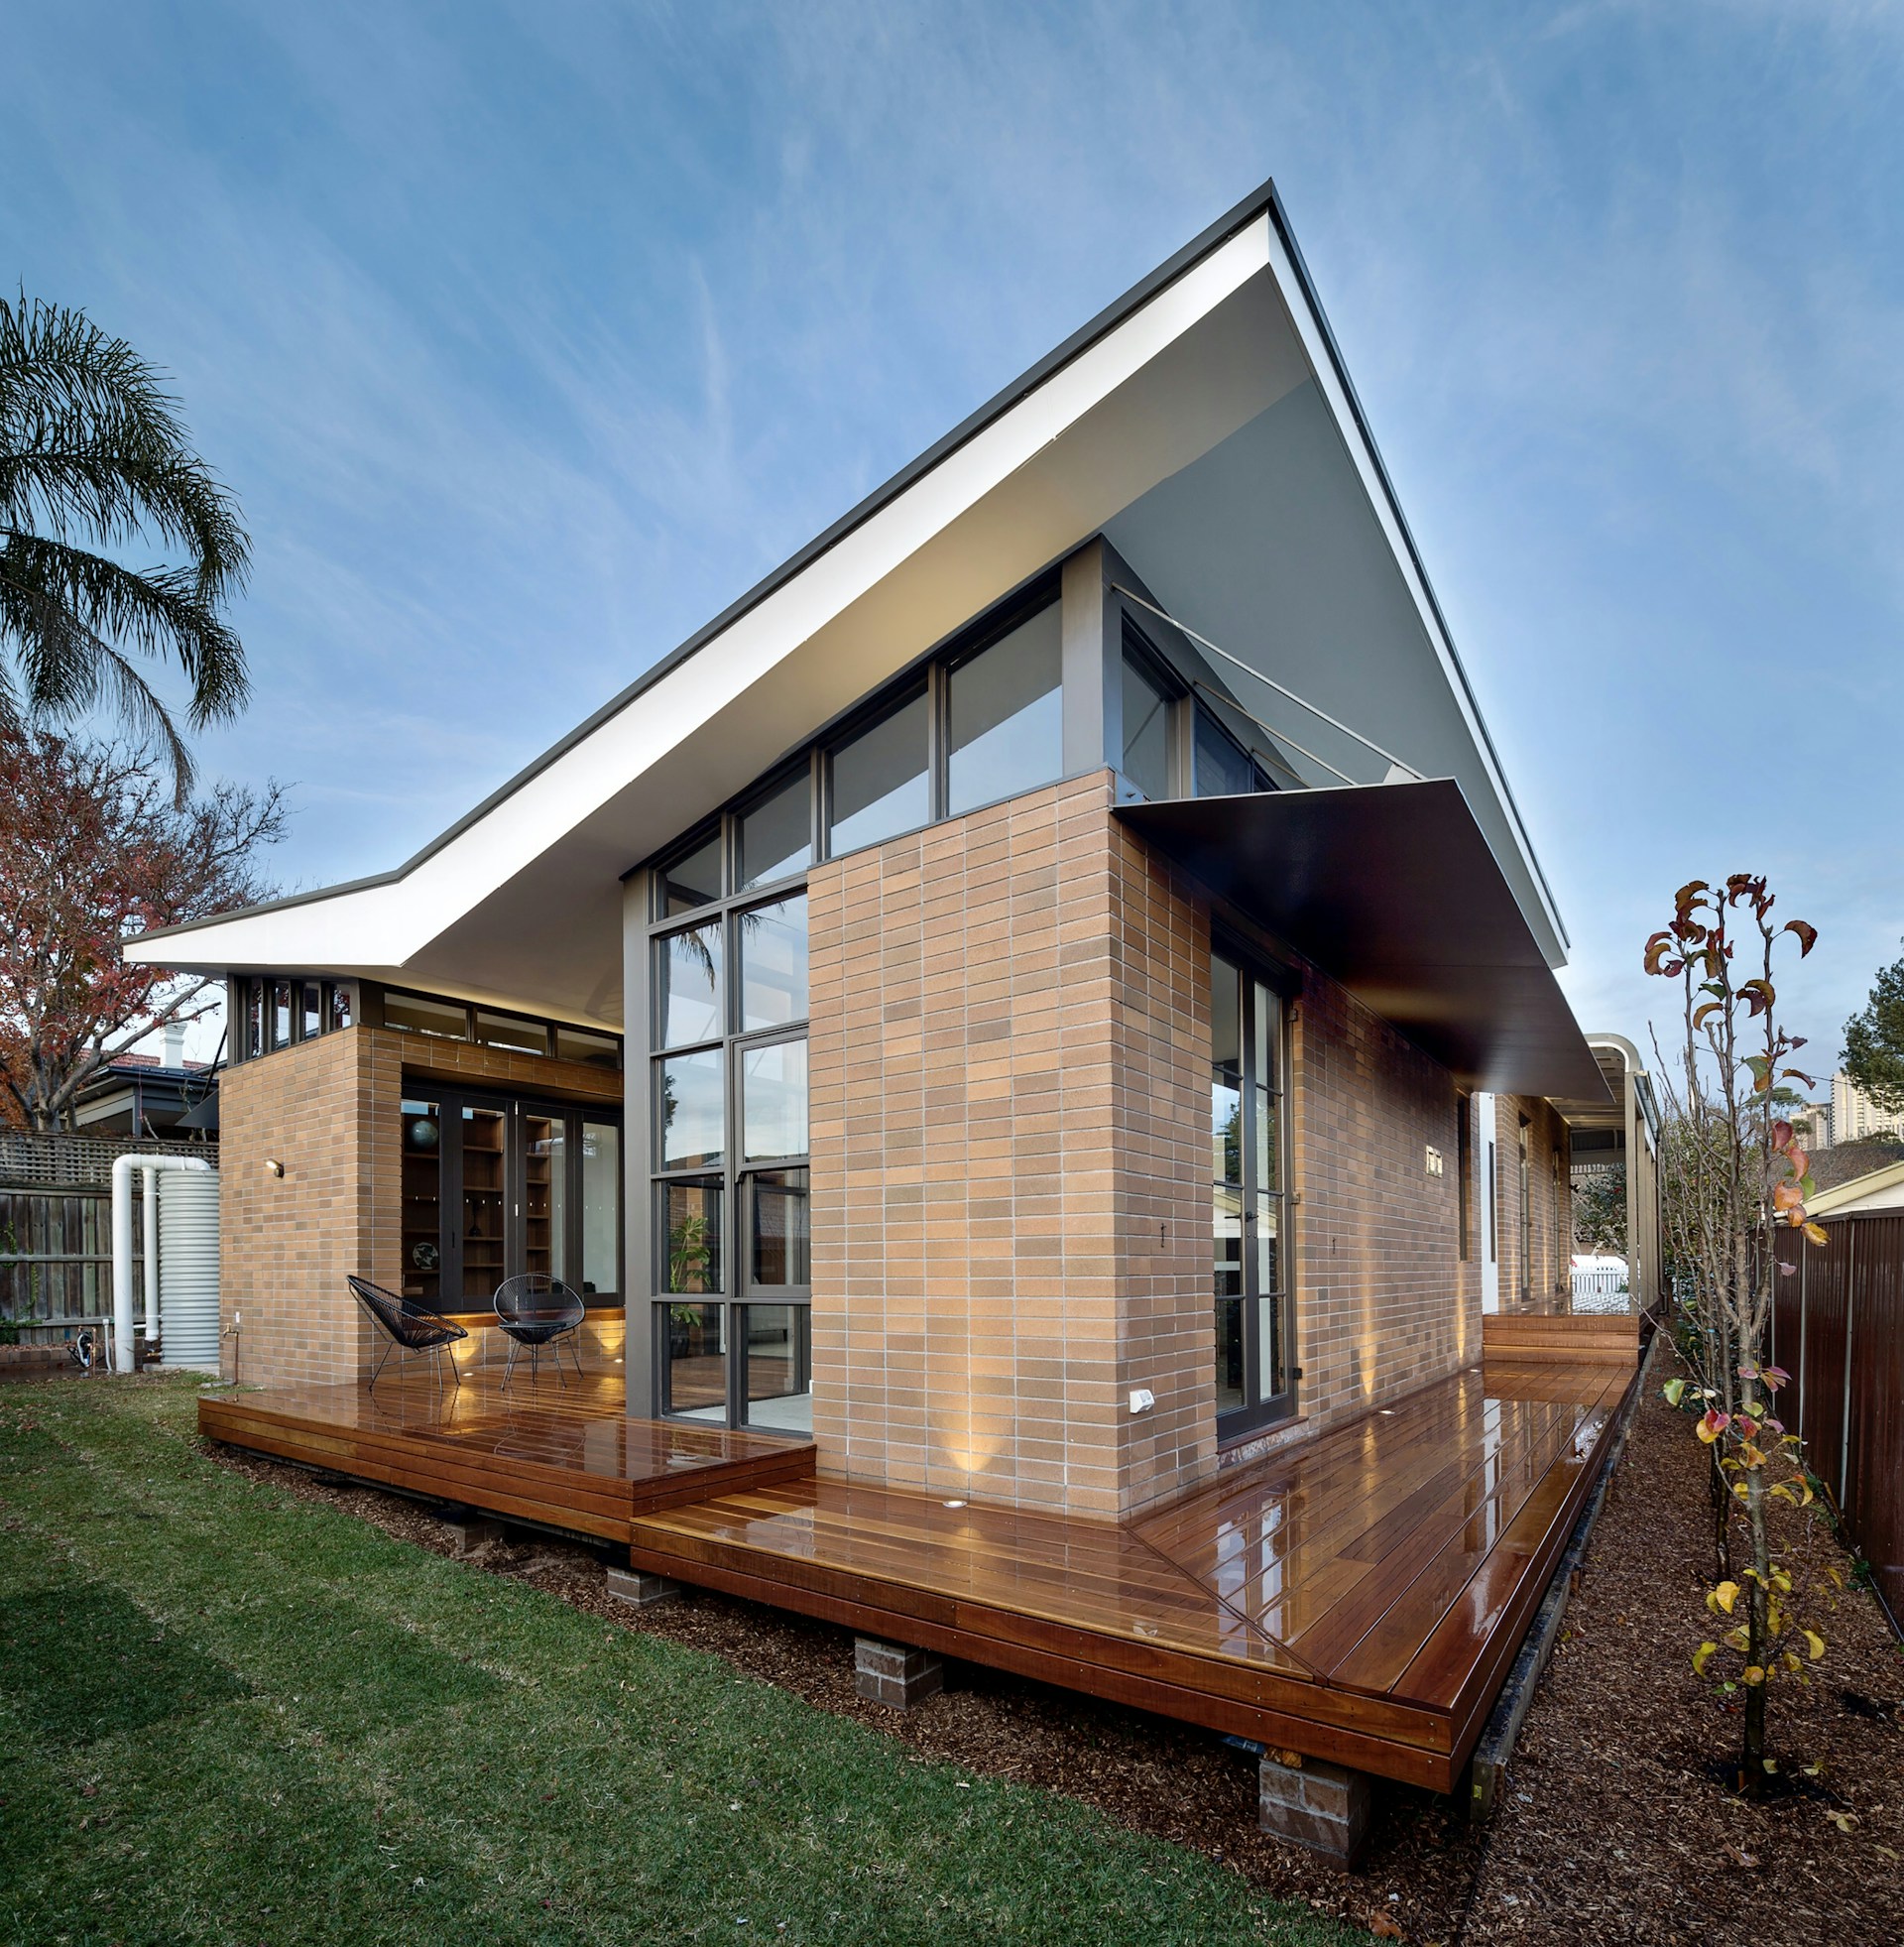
<point x="1141" y="1398"/>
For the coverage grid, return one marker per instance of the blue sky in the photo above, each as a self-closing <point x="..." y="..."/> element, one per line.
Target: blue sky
<point x="532" y="335"/>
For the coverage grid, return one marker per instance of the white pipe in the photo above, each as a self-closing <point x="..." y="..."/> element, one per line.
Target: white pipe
<point x="122" y="1169"/>
<point x="151" y="1241"/>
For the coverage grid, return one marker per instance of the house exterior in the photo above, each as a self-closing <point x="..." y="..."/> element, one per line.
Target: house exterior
<point x="1049" y="995"/>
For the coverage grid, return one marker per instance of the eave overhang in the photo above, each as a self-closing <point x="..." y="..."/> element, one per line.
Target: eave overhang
<point x="1393" y="891"/>
<point x="1174" y="387"/>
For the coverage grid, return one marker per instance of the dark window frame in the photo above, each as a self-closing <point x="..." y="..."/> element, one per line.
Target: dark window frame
<point x="1258" y="1413"/>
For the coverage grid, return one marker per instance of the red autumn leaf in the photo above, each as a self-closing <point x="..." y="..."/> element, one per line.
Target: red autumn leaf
<point x="1806" y="934"/>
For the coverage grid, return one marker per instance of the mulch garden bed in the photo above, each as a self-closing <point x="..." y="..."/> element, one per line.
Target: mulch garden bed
<point x="1615" y="1822"/>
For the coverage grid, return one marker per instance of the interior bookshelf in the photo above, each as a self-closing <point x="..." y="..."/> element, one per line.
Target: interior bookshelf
<point x="484" y="1133"/>
<point x="422" y="1220"/>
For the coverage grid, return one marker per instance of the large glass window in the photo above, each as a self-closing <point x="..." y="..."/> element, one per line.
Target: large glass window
<point x="1146" y="730"/>
<point x="881" y="780"/>
<point x="601" y="1206"/>
<point x="772" y="948"/>
<point x="688" y="985"/>
<point x="729" y="1192"/>
<point x="1005" y="723"/>
<point x="695" y="879"/>
<point x="1248" y="1237"/>
<point x="1224" y="767"/>
<point x="692" y="1109"/>
<point x="494" y="1186"/>
<point x="773" y="1100"/>
<point x="777" y="834"/>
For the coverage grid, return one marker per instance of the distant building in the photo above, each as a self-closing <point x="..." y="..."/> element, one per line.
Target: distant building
<point x="1813" y="1124"/>
<point x="151" y="1095"/>
<point x="1855" y="1115"/>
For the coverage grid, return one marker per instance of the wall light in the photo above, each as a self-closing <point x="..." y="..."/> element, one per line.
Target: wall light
<point x="273" y="1167"/>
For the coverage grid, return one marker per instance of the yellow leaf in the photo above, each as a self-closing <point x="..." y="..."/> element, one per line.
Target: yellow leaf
<point x="1752" y="1675"/>
<point x="1814" y="1643"/>
<point x="1726" y="1595"/>
<point x="1702" y="1656"/>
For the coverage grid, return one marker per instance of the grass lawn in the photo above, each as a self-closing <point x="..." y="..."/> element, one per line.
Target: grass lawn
<point x="229" y="1716"/>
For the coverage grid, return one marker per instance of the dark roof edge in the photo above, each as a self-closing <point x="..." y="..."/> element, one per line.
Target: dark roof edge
<point x="1240" y="217"/>
<point x="1261" y="201"/>
<point x="1279" y="217"/>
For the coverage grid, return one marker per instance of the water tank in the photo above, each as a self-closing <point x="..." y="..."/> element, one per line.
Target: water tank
<point x="188" y="1267"/>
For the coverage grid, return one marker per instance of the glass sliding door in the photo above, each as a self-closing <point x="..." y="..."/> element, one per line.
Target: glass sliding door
<point x="494" y="1186"/>
<point x="1254" y="1373"/>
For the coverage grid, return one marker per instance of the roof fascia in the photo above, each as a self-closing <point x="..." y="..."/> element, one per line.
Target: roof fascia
<point x="1235" y="220"/>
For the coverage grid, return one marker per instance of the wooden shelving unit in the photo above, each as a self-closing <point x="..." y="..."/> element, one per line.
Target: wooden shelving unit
<point x="485" y="1212"/>
<point x="423" y="1226"/>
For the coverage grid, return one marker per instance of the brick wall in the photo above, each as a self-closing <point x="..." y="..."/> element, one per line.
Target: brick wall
<point x="329" y="1110"/>
<point x="1010" y="1161"/>
<point x="1384" y="1303"/>
<point x="1006" y="1119"/>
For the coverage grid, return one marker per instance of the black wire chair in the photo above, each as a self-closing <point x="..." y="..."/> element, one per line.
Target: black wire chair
<point x="540" y="1313"/>
<point x="408" y="1328"/>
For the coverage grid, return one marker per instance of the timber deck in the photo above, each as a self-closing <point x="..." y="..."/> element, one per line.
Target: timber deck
<point x="1360" y="1598"/>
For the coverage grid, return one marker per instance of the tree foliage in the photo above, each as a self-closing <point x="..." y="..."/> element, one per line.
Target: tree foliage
<point x="95" y="462"/>
<point x="1600" y="1209"/>
<point x="1730" y="1169"/>
<point x="93" y="847"/>
<point x="1874" y="1041"/>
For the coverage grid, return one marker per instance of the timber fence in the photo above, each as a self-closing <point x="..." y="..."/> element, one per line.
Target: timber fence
<point x="1837" y="1327"/>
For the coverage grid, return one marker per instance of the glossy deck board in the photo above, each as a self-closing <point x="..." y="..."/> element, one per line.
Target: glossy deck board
<point x="1357" y="1597"/>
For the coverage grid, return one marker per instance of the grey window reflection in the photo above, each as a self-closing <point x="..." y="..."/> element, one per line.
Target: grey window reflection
<point x="1146" y="732"/>
<point x="772" y="946"/>
<point x="776" y="836"/>
<point x="1006" y="729"/>
<point x="880" y="780"/>
<point x="688" y="985"/>
<point x="774" y="1101"/>
<point x="1224" y="767"/>
<point x="691" y="1111"/>
<point x="694" y="880"/>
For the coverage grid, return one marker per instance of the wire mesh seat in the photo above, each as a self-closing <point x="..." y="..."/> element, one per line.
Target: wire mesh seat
<point x="408" y="1328"/>
<point x="540" y="1313"/>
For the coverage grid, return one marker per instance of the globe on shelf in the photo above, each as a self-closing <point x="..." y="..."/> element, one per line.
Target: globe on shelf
<point x="423" y="1134"/>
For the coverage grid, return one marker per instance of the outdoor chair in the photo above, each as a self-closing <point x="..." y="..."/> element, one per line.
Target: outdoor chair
<point x="408" y="1328"/>
<point x="537" y="1313"/>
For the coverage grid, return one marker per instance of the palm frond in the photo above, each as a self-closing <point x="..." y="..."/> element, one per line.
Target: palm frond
<point x="159" y="613"/>
<point x="95" y="458"/>
<point x="70" y="668"/>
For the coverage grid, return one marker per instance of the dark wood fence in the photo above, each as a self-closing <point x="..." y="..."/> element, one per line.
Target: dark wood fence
<point x="1837" y="1327"/>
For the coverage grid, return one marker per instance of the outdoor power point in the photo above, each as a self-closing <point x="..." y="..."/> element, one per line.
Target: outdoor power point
<point x="1141" y="1398"/>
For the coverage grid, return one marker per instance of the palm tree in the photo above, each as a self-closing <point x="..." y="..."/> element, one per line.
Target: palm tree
<point x="94" y="461"/>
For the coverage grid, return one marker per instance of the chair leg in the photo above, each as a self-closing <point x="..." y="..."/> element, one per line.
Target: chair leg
<point x="455" y="1370"/>
<point x="376" y="1372"/>
<point x="575" y="1351"/>
<point x="509" y="1364"/>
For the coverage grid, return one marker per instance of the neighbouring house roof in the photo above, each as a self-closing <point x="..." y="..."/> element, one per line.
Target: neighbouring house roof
<point x="1204" y="422"/>
<point x="1876" y="1189"/>
<point x="151" y="1064"/>
<point x="1853" y="1170"/>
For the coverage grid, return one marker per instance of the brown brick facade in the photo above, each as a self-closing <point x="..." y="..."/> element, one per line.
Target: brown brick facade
<point x="329" y="1111"/>
<point x="1007" y="1126"/>
<point x="1011" y="1159"/>
<point x="1383" y="1302"/>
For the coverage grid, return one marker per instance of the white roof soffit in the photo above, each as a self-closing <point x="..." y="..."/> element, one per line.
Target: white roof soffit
<point x="521" y="899"/>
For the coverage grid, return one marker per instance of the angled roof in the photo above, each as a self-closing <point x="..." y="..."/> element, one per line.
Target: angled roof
<point x="1174" y="393"/>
